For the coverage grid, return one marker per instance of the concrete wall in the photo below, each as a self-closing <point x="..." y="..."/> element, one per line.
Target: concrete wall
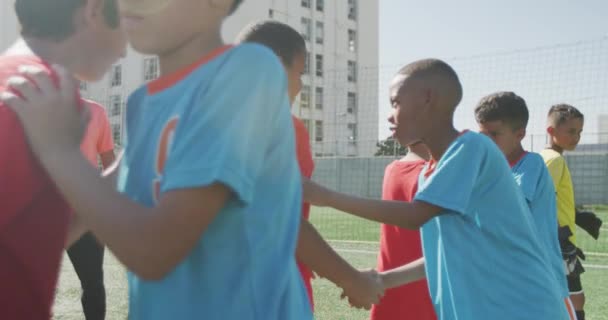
<point x="363" y="176"/>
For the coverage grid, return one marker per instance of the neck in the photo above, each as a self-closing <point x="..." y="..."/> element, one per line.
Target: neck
<point x="52" y="52"/>
<point x="515" y="154"/>
<point x="417" y="152"/>
<point x="438" y="141"/>
<point x="189" y="52"/>
<point x="556" y="148"/>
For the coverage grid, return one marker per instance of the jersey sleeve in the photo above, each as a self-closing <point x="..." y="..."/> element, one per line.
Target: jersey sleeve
<point x="556" y="168"/>
<point x="21" y="176"/>
<point x="452" y="183"/>
<point x="304" y="151"/>
<point x="227" y="134"/>
<point x="105" y="142"/>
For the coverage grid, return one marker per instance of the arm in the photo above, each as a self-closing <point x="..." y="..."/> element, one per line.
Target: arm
<point x="403" y="275"/>
<point x="75" y="231"/>
<point x="402" y="214"/>
<point x="363" y="289"/>
<point x="148" y="241"/>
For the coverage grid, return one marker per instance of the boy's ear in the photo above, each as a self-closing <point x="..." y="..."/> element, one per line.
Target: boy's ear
<point x="550" y="130"/>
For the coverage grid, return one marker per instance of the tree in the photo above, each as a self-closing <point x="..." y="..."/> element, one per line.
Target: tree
<point x="390" y="147"/>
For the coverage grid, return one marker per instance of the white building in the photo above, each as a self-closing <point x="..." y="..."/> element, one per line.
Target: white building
<point x="339" y="101"/>
<point x="9" y="28"/>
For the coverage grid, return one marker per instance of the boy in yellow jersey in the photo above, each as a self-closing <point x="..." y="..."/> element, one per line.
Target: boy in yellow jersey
<point x="564" y="126"/>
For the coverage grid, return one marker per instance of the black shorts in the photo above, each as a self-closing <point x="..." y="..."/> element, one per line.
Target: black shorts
<point x="574" y="284"/>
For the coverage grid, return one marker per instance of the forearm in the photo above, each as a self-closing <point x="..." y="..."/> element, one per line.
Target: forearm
<point x="397" y="213"/>
<point x="403" y="275"/>
<point x="317" y="254"/>
<point x="128" y="229"/>
<point x="75" y="231"/>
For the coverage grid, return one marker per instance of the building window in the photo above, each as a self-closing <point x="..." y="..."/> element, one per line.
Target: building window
<point x="320" y="5"/>
<point x="351" y="103"/>
<point x="270" y="13"/>
<point x="116" y="76"/>
<point x="306" y="123"/>
<point x="306" y="3"/>
<point x="320" y="33"/>
<point x="352" y="133"/>
<point x="319" y="65"/>
<point x="306" y="28"/>
<point x="150" y="69"/>
<point x="319" y="131"/>
<point x="319" y="98"/>
<point x="115" y="105"/>
<point x="307" y="63"/>
<point x="352" y="71"/>
<point x="83" y="86"/>
<point x="352" y="40"/>
<point x="352" y="9"/>
<point x="305" y="97"/>
<point x="116" y="133"/>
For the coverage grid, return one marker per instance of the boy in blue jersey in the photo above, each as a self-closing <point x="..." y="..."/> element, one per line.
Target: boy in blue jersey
<point x="503" y="116"/>
<point x="481" y="253"/>
<point x="208" y="219"/>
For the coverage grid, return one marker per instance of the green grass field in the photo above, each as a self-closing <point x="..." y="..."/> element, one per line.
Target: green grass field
<point x="356" y="240"/>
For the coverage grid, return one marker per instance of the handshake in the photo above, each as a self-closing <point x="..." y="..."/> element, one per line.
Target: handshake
<point x="365" y="290"/>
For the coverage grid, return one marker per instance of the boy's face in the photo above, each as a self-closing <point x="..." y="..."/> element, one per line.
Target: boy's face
<point x="506" y="138"/>
<point x="101" y="44"/>
<point x="407" y="117"/>
<point x="159" y="27"/>
<point x="294" y="76"/>
<point x="568" y="134"/>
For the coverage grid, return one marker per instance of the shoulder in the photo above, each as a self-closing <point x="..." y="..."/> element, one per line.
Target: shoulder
<point x="472" y="145"/>
<point x="533" y="168"/>
<point x="473" y="140"/>
<point x="299" y="126"/>
<point x="549" y="155"/>
<point x="534" y="160"/>
<point x="254" y="60"/>
<point x="252" y="52"/>
<point x="94" y="107"/>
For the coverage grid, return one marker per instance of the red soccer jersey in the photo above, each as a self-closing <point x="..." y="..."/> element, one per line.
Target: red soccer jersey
<point x="307" y="166"/>
<point x="34" y="218"/>
<point x="400" y="246"/>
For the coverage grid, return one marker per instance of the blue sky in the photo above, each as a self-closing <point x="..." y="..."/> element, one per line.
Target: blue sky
<point x="489" y="42"/>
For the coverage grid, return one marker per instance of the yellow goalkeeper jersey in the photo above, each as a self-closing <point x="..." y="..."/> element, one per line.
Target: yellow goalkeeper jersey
<point x="556" y="163"/>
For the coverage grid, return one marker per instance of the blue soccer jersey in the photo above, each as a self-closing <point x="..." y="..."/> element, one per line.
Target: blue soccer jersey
<point x="533" y="178"/>
<point x="223" y="120"/>
<point x="483" y="258"/>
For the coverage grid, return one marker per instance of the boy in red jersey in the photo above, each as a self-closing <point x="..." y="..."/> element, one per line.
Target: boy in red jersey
<point x="85" y="38"/>
<point x="399" y="246"/>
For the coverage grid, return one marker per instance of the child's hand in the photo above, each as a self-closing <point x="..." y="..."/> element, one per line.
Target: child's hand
<point x="365" y="291"/>
<point x="48" y="112"/>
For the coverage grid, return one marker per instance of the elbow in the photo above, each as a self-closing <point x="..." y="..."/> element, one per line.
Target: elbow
<point x="152" y="272"/>
<point x="409" y="224"/>
<point x="151" y="265"/>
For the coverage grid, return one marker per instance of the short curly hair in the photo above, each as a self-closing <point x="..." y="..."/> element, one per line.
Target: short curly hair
<point x="503" y="106"/>
<point x="285" y="41"/>
<point x="560" y="113"/>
